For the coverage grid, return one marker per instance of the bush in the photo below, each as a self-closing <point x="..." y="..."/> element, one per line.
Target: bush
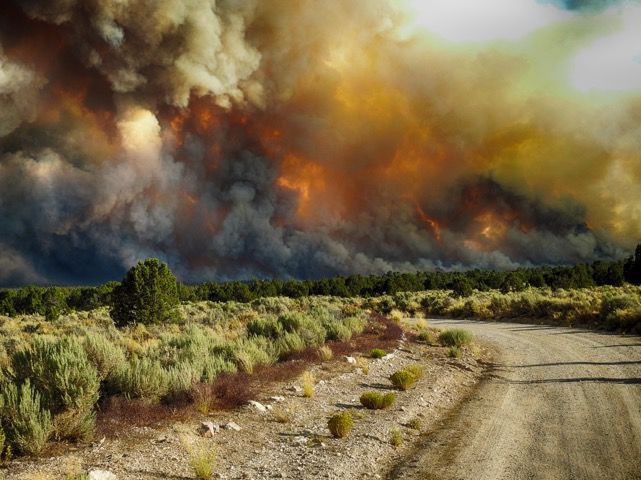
<point x="340" y="424"/>
<point x="415" y="423"/>
<point x="28" y="425"/>
<point x="427" y="336"/>
<point x="454" y="352"/>
<point x="415" y="369"/>
<point x="377" y="353"/>
<point x="403" y="379"/>
<point x="325" y="353"/>
<point x="396" y="437"/>
<point x="377" y="401"/>
<point x="148" y="294"/>
<point x="104" y="355"/>
<point x="67" y="382"/>
<point x="455" y="337"/>
<point x="142" y="378"/>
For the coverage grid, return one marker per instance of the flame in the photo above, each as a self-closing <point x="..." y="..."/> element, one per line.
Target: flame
<point x="430" y="222"/>
<point x="304" y="177"/>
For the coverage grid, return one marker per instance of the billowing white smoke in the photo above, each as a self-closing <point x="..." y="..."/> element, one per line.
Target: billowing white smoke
<point x="85" y="195"/>
<point x="19" y="88"/>
<point x="172" y="48"/>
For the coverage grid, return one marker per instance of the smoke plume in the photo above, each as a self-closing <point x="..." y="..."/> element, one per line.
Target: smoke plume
<point x="241" y="139"/>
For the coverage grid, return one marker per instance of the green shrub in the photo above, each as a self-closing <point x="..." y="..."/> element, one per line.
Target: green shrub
<point x="396" y="437"/>
<point x="214" y="365"/>
<point x="266" y="327"/>
<point x="142" y="378"/>
<point x="454" y="352"/>
<point x="182" y="378"/>
<point x="66" y="380"/>
<point x="403" y="379"/>
<point x="340" y="424"/>
<point x="289" y="342"/>
<point x="28" y="425"/>
<point x="415" y="423"/>
<point x="106" y="356"/>
<point x="416" y="369"/>
<point x="377" y="353"/>
<point x="428" y="337"/>
<point x="455" y="337"/>
<point x="335" y="330"/>
<point x="148" y="294"/>
<point x="377" y="401"/>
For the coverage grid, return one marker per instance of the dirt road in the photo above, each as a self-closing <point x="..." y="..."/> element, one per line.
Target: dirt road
<point x="559" y="404"/>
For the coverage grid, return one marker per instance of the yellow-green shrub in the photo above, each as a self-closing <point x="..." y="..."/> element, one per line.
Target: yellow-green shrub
<point x="377" y="401"/>
<point x="403" y="379"/>
<point x="67" y="382"/>
<point x="28" y="425"/>
<point x="340" y="424"/>
<point x="455" y="337"/>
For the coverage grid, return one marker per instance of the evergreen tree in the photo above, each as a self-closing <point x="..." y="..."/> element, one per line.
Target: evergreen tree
<point x="632" y="269"/>
<point x="147" y="294"/>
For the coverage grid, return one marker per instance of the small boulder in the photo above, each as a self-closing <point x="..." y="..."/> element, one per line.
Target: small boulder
<point x="232" y="426"/>
<point x="208" y="429"/>
<point x="258" y="406"/>
<point x="101" y="475"/>
<point x="277" y="398"/>
<point x="351" y="360"/>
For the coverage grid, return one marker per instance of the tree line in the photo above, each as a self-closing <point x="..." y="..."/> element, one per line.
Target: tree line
<point x="53" y="301"/>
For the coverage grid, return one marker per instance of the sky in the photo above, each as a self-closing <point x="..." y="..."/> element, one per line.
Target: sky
<point x="259" y="139"/>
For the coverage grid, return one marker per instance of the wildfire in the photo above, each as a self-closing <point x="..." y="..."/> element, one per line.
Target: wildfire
<point x="429" y="222"/>
<point x="304" y="177"/>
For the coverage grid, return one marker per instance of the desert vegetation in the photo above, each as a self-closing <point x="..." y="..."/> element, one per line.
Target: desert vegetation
<point x="405" y="378"/>
<point x="377" y="401"/>
<point x="55" y="372"/>
<point x="66" y="351"/>
<point x="607" y="307"/>
<point x="340" y="424"/>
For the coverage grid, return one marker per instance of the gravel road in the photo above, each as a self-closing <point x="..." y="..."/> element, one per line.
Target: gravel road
<point x="559" y="404"/>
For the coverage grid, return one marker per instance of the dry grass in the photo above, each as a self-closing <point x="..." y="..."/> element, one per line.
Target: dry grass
<point x="202" y="459"/>
<point x="308" y="381"/>
<point x="363" y="364"/>
<point x="396" y="437"/>
<point x="325" y="353"/>
<point x="454" y="352"/>
<point x="415" y="423"/>
<point x="281" y="414"/>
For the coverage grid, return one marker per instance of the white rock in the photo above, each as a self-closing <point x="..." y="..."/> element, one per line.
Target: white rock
<point x="208" y="429"/>
<point x="387" y="357"/>
<point x="277" y="398"/>
<point x="232" y="426"/>
<point x="101" y="475"/>
<point x="300" y="440"/>
<point x="351" y="360"/>
<point x="295" y="389"/>
<point x="258" y="406"/>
